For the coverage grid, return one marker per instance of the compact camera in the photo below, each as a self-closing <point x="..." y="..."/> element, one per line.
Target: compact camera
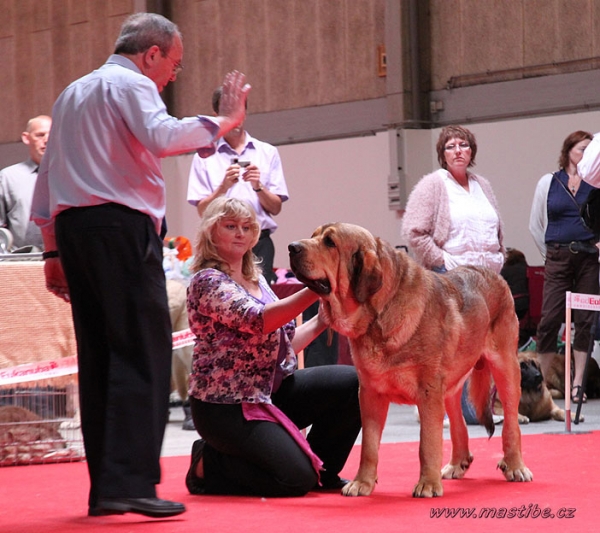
<point x="240" y="162"/>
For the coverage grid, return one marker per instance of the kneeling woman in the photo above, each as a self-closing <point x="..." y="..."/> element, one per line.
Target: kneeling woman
<point x="247" y="398"/>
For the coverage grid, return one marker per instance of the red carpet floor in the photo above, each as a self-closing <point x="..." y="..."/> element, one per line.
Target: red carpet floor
<point x="52" y="498"/>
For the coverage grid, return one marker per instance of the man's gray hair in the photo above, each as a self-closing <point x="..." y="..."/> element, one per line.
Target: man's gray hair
<point x="143" y="30"/>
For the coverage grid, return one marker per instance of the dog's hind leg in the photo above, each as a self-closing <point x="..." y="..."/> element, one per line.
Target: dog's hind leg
<point x="461" y="456"/>
<point x="501" y="356"/>
<point x="507" y="375"/>
<point x="373" y="412"/>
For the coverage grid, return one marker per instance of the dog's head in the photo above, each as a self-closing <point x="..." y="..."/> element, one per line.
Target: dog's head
<point x="340" y="259"/>
<point x="514" y="257"/>
<point x="531" y="374"/>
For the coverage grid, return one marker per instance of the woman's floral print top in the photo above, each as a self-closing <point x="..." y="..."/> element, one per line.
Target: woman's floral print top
<point x="233" y="360"/>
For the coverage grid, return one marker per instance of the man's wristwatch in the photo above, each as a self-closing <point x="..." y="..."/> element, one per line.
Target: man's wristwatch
<point x="260" y="188"/>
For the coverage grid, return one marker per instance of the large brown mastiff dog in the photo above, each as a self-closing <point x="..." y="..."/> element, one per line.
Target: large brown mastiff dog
<point x="415" y="337"/>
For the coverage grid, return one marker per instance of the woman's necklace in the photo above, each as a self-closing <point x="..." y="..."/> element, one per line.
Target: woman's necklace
<point x="574" y="182"/>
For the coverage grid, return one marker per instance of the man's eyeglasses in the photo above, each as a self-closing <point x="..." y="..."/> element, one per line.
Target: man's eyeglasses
<point x="177" y="67"/>
<point x="461" y="146"/>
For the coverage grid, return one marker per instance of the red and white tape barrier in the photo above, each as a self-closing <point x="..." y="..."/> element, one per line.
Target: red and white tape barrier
<point x="66" y="366"/>
<point x="40" y="370"/>
<point x="183" y="338"/>
<point x="574" y="300"/>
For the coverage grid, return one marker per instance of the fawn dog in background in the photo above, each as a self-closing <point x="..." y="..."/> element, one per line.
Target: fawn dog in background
<point x="415" y="338"/>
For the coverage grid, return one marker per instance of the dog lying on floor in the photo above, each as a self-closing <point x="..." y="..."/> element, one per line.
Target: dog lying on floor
<point x="555" y="380"/>
<point x="415" y="337"/>
<point x="536" y="402"/>
<point x="25" y="436"/>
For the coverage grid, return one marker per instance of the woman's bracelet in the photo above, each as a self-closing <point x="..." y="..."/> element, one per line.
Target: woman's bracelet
<point x="50" y="254"/>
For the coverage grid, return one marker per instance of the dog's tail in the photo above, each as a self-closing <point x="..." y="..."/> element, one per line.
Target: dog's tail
<point x="480" y="384"/>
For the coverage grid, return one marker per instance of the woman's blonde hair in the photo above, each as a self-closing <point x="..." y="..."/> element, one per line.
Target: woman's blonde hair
<point x="207" y="255"/>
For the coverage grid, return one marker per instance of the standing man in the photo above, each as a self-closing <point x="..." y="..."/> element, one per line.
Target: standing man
<point x="245" y="168"/>
<point x="16" y="187"/>
<point x="100" y="203"/>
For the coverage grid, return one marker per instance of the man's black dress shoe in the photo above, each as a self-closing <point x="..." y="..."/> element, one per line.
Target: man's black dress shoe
<point x="152" y="507"/>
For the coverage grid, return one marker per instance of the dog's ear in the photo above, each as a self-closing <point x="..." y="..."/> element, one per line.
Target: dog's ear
<point x="365" y="275"/>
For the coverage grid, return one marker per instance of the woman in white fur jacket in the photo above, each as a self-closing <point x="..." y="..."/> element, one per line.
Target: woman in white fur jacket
<point x="452" y="215"/>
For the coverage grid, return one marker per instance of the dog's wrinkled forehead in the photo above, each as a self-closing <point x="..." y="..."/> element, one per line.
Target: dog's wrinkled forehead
<point x="340" y="232"/>
<point x="530" y="364"/>
<point x="320" y="230"/>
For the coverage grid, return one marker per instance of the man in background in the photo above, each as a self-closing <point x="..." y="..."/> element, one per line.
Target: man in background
<point x="100" y="201"/>
<point x="16" y="188"/>
<point x="245" y="168"/>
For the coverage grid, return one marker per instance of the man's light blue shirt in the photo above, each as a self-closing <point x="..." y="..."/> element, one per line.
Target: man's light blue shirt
<point x="110" y="129"/>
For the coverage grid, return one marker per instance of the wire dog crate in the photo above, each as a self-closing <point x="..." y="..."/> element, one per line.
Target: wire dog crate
<point x="40" y="424"/>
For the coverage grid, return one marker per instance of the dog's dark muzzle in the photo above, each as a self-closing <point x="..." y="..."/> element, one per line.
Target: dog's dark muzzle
<point x="320" y="286"/>
<point x="531" y="378"/>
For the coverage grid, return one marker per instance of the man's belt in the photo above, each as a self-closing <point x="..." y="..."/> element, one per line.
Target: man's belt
<point x="264" y="234"/>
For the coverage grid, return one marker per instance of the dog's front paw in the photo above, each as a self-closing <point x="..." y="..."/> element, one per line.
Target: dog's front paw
<point x="520" y="473"/>
<point x="457" y="471"/>
<point x="358" y="488"/>
<point x="523" y="419"/>
<point x="573" y="416"/>
<point x="76" y="424"/>
<point x="428" y="489"/>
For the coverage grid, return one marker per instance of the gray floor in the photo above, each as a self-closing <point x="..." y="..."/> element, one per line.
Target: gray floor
<point x="401" y="426"/>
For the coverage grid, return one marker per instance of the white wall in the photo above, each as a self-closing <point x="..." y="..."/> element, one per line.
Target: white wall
<point x="335" y="181"/>
<point x="346" y="180"/>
